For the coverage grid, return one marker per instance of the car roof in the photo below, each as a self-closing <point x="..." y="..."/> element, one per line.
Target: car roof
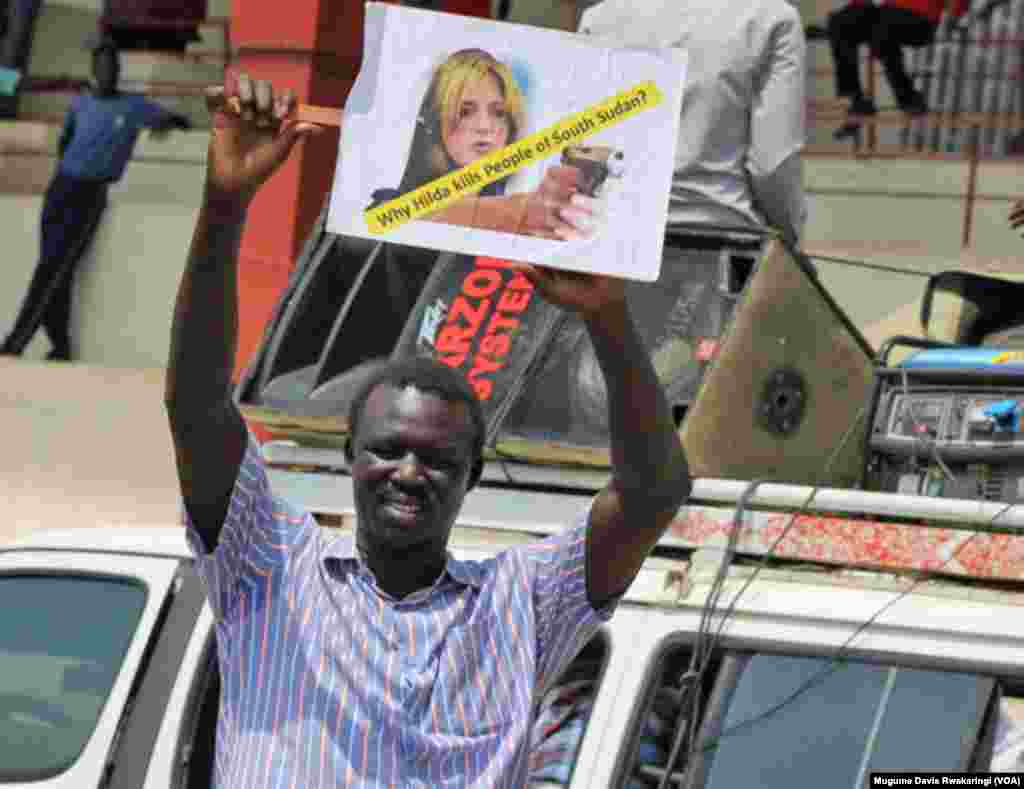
<point x="161" y="539"/>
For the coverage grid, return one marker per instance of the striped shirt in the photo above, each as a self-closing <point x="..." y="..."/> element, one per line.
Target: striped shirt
<point x="329" y="682"/>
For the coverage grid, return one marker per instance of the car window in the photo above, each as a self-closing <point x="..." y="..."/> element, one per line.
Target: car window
<point x="1008" y="737"/>
<point x="563" y="715"/>
<point x="661" y="717"/>
<point x="770" y="720"/>
<point x="62" y="641"/>
<point x="893" y="719"/>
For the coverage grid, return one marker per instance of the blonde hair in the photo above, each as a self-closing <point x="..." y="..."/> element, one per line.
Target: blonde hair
<point x="444" y="98"/>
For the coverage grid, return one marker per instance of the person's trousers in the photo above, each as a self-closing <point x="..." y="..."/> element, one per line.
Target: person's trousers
<point x="887" y="30"/>
<point x="19" y="20"/>
<point x="72" y="208"/>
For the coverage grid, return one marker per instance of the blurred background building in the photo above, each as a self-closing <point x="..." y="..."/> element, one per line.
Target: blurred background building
<point x="922" y="195"/>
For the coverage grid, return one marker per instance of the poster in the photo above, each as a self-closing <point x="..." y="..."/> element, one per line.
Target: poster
<point x="488" y="138"/>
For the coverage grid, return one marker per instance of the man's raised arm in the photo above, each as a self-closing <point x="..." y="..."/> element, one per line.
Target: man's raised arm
<point x="246" y="147"/>
<point x="650" y="476"/>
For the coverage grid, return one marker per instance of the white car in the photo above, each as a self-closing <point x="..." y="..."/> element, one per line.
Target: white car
<point x="819" y="675"/>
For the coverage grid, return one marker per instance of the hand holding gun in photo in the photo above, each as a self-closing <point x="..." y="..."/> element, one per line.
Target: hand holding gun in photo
<point x="596" y="164"/>
<point x="593" y="166"/>
<point x="556" y="209"/>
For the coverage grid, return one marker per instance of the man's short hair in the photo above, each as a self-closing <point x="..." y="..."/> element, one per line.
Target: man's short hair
<point x="428" y="376"/>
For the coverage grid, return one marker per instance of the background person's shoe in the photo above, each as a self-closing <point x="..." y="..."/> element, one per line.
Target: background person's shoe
<point x="59" y="355"/>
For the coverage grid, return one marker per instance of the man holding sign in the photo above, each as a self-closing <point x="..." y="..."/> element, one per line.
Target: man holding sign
<point x="382" y="661"/>
<point x="457" y="143"/>
<point x="737" y="159"/>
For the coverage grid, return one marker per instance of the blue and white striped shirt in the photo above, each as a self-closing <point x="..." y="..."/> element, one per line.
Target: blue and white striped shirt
<point x="329" y="682"/>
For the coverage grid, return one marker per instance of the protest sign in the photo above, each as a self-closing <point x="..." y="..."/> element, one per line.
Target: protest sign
<point x="459" y="132"/>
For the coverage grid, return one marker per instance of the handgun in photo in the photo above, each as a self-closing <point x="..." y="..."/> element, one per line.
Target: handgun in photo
<point x="596" y="164"/>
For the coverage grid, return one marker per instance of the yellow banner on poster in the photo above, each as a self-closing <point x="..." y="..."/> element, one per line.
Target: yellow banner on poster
<point x="502" y="163"/>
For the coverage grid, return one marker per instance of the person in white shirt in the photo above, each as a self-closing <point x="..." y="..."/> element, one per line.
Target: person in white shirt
<point x="737" y="160"/>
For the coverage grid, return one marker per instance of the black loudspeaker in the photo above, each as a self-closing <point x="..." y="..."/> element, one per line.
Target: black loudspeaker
<point x="344" y="310"/>
<point x="963" y="308"/>
<point x="485" y="319"/>
<point x="763" y="371"/>
<point x="787" y="394"/>
<point x="533" y="366"/>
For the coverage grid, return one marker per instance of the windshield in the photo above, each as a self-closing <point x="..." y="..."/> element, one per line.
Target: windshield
<point x="782" y="722"/>
<point x="62" y="640"/>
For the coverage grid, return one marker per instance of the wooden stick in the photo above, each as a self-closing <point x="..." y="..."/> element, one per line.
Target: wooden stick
<point x="312" y="113"/>
<point x="304" y="113"/>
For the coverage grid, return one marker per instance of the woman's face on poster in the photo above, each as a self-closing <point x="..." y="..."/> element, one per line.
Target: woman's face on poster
<point x="481" y="123"/>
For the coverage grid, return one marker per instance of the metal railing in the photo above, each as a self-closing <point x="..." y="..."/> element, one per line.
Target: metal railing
<point x="972" y="83"/>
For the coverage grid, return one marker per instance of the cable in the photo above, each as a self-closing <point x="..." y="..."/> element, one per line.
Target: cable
<point x="700" y="656"/>
<point x="875" y="266"/>
<point x="702" y="653"/>
<point x="769" y="554"/>
<point x="792" y="520"/>
<point x="838" y="658"/>
<point x="922" y="439"/>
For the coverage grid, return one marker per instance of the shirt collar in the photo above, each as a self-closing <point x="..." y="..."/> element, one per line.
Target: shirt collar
<point x="343" y="550"/>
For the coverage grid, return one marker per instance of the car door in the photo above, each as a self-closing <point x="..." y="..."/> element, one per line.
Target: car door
<point x="74" y="631"/>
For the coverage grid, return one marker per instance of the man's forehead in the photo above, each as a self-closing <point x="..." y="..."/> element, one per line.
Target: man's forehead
<point x="389" y="402"/>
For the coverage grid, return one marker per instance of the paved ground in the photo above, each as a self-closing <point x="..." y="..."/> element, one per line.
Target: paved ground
<point x="83" y="446"/>
<point x="884" y="302"/>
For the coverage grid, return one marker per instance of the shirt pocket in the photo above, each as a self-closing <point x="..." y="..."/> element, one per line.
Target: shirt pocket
<point x="478" y="693"/>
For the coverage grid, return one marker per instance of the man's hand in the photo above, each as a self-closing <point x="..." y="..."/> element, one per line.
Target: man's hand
<point x="1017" y="216"/>
<point x="250" y="137"/>
<point x="591" y="295"/>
